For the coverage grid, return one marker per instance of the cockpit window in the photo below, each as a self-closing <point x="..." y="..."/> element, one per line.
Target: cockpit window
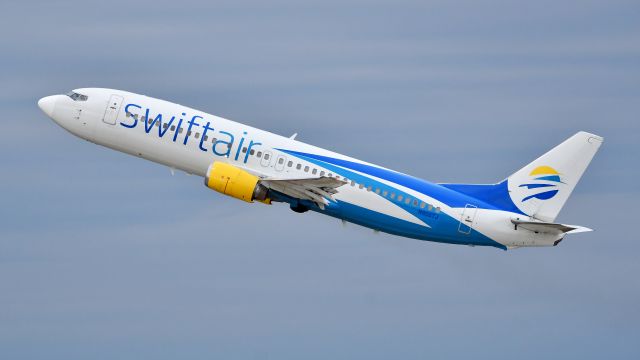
<point x="77" y="97"/>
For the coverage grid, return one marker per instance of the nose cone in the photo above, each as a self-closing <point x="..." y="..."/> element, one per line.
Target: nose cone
<point x="47" y="104"/>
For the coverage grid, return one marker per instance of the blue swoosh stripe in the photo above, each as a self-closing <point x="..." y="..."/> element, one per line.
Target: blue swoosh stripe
<point x="445" y="231"/>
<point x="366" y="181"/>
<point x="448" y="196"/>
<point x="542" y="196"/>
<point x="535" y="186"/>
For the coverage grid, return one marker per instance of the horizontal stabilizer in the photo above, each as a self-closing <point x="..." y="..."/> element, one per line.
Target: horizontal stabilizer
<point x="551" y="228"/>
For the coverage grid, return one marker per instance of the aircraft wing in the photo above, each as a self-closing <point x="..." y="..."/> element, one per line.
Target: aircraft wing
<point x="319" y="189"/>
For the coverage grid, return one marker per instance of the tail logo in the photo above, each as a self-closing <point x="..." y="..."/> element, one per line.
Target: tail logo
<point x="544" y="182"/>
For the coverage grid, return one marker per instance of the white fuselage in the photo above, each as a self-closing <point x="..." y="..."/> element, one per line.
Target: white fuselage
<point x="190" y="140"/>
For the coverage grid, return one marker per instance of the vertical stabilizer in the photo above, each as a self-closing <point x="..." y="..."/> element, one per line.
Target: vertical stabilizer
<point x="541" y="188"/>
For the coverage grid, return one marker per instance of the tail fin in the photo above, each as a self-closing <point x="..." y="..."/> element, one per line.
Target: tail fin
<point x="541" y="188"/>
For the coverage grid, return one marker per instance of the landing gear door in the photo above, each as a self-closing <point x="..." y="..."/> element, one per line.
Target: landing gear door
<point x="113" y="109"/>
<point x="467" y="218"/>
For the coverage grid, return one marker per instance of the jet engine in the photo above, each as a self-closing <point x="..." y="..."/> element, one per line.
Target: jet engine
<point x="235" y="182"/>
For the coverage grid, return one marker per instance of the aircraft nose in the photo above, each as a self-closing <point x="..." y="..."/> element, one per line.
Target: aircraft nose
<point x="47" y="104"/>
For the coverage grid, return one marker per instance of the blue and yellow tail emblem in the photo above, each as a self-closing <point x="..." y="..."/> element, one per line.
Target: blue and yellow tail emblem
<point x="543" y="178"/>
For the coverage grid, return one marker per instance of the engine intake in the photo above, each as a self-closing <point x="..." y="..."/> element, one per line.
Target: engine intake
<point x="235" y="182"/>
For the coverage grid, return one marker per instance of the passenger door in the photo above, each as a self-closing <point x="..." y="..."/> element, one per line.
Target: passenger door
<point x="113" y="109"/>
<point x="467" y="218"/>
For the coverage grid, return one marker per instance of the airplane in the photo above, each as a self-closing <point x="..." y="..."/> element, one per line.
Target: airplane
<point x="254" y="165"/>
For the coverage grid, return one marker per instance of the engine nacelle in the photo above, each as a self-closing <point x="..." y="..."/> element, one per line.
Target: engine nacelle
<point x="235" y="182"/>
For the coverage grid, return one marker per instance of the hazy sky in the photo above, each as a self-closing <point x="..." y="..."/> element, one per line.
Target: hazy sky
<point x="106" y="256"/>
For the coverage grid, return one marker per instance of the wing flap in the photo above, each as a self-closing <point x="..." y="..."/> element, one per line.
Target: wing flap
<point x="319" y="189"/>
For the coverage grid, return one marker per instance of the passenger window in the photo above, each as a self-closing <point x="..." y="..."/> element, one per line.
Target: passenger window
<point x="266" y="156"/>
<point x="314" y="171"/>
<point x="407" y="201"/>
<point x="422" y="205"/>
<point x="244" y="150"/>
<point x="360" y="186"/>
<point x="437" y="209"/>
<point x="298" y="167"/>
<point x="197" y="135"/>
<point x="206" y="138"/>
<point x="430" y="207"/>
<point x="165" y="125"/>
<point x="321" y="173"/>
<point x="369" y="188"/>
<point x="415" y="202"/>
<point x="353" y="183"/>
<point x="330" y="175"/>
<point x="259" y="154"/>
<point x="173" y="128"/>
<point x="281" y="161"/>
<point x="252" y="152"/>
<point x="290" y="163"/>
<point x="158" y="124"/>
<point x="213" y="140"/>
<point x="384" y="193"/>
<point x="180" y="130"/>
<point x="306" y="169"/>
<point x="393" y="195"/>
<point x="400" y="197"/>
<point x="189" y="133"/>
<point x="378" y="191"/>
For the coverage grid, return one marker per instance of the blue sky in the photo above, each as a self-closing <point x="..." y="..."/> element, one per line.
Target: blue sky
<point x="106" y="256"/>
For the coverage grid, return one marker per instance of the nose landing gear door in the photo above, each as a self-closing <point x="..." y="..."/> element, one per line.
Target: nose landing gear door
<point x="113" y="109"/>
